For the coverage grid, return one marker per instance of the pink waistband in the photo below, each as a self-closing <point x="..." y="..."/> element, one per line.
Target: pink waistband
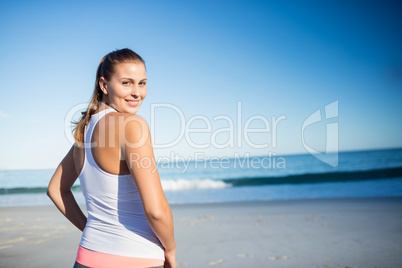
<point x="102" y="260"/>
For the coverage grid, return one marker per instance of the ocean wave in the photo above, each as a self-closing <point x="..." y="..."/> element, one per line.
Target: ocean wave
<point x="30" y="190"/>
<point x="167" y="185"/>
<point x="318" y="177"/>
<point x="181" y="184"/>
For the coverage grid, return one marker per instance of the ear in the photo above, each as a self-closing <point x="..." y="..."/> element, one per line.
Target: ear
<point x="103" y="85"/>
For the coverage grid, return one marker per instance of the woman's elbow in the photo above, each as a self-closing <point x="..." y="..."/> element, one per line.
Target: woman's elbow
<point x="158" y="214"/>
<point x="54" y="191"/>
<point x="51" y="192"/>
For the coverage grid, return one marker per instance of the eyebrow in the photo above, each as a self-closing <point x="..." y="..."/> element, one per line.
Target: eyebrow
<point x="128" y="78"/>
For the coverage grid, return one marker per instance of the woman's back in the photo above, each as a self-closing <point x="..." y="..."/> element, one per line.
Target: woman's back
<point x="116" y="219"/>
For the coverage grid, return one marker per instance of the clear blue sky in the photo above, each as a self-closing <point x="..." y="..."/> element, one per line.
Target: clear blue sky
<point x="277" y="58"/>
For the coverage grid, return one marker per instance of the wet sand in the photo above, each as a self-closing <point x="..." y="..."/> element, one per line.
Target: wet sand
<point x="361" y="232"/>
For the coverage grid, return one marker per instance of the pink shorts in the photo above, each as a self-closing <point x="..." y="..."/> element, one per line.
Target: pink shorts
<point x="102" y="260"/>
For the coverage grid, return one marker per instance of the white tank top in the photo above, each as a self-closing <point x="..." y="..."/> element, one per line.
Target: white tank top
<point x="116" y="220"/>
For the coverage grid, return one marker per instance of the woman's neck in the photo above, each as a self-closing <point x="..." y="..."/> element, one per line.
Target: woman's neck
<point x="104" y="106"/>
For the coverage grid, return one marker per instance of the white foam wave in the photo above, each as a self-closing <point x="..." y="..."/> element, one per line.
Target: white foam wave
<point x="176" y="185"/>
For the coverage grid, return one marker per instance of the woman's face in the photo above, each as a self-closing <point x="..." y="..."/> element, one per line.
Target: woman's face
<point x="126" y="89"/>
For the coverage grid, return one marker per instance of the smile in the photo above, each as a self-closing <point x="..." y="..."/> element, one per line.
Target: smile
<point x="132" y="103"/>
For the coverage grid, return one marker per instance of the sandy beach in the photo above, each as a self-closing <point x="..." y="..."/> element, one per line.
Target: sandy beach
<point x="361" y="232"/>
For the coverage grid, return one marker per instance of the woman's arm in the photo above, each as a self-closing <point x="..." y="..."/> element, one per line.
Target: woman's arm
<point x="138" y="153"/>
<point x="59" y="190"/>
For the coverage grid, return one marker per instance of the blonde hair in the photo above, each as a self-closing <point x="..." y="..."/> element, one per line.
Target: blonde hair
<point x="105" y="69"/>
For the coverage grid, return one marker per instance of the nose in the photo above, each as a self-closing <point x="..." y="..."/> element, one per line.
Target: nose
<point x="135" y="92"/>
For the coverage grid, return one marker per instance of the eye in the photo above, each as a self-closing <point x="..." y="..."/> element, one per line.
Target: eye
<point x="126" y="82"/>
<point x="143" y="83"/>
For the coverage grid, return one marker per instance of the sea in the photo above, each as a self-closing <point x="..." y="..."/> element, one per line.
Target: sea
<point x="371" y="173"/>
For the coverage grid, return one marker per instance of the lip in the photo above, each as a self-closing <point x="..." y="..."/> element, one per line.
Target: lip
<point x="133" y="103"/>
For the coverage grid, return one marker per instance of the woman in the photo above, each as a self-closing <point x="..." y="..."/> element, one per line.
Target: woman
<point x="129" y="220"/>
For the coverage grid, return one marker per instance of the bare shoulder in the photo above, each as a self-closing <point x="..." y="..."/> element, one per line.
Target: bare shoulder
<point x="134" y="122"/>
<point x="133" y="117"/>
<point x="133" y="127"/>
<point x="130" y="122"/>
